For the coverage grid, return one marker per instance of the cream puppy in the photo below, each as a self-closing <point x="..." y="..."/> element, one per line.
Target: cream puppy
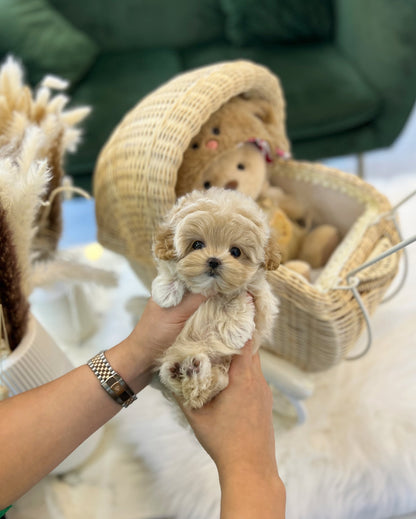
<point x="216" y="243"/>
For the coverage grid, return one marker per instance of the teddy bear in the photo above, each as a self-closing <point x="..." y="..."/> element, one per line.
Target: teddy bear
<point x="241" y="118"/>
<point x="243" y="168"/>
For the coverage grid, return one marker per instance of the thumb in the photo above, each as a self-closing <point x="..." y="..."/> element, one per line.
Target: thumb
<point x="190" y="303"/>
<point x="244" y="359"/>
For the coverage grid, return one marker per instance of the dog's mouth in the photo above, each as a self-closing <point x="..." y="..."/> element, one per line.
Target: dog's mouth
<point x="213" y="273"/>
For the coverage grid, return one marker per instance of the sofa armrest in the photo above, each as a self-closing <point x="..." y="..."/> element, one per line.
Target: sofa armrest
<point x="379" y="38"/>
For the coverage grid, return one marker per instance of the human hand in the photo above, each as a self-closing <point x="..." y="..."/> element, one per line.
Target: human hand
<point x="158" y="327"/>
<point x="236" y="427"/>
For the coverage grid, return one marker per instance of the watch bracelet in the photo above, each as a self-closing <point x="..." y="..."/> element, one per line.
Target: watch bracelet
<point x="111" y="381"/>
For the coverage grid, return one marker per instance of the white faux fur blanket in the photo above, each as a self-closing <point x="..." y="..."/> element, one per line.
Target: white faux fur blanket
<point x="355" y="457"/>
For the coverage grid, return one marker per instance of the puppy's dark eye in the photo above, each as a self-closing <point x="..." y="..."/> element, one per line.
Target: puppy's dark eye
<point x="216" y="130"/>
<point x="198" y="245"/>
<point x="240" y="166"/>
<point x="207" y="185"/>
<point x="195" y="146"/>
<point x="235" y="251"/>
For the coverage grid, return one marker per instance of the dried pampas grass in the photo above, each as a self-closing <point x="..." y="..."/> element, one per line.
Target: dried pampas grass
<point x="15" y="306"/>
<point x="23" y="182"/>
<point x="35" y="133"/>
<point x="21" y="109"/>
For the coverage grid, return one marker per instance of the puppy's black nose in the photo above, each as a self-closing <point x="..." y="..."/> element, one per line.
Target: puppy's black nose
<point x="214" y="262"/>
<point x="232" y="184"/>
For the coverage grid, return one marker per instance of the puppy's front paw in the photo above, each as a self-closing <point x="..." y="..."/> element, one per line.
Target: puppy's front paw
<point x="239" y="326"/>
<point x="167" y="293"/>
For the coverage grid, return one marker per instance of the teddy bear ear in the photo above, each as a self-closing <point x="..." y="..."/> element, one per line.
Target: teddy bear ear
<point x="260" y="108"/>
<point x="264" y="111"/>
<point x="272" y="254"/>
<point x="163" y="247"/>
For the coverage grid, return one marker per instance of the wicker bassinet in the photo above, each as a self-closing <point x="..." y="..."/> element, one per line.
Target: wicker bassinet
<point x="134" y="186"/>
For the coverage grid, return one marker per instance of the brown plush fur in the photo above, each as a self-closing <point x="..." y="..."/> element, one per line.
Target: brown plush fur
<point x="236" y="121"/>
<point x="242" y="168"/>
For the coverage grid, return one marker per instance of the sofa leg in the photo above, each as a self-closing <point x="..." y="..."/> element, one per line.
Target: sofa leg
<point x="360" y="165"/>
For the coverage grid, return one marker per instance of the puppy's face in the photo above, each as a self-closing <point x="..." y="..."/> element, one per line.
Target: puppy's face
<point x="217" y="252"/>
<point x="218" y="239"/>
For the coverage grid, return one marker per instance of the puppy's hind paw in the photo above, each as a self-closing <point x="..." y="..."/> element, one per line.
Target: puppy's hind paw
<point x="203" y="380"/>
<point x="197" y="369"/>
<point x="175" y="371"/>
<point x="187" y="368"/>
<point x="193" y="368"/>
<point x="194" y="379"/>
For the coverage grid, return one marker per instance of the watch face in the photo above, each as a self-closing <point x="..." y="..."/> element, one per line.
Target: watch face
<point x="115" y="385"/>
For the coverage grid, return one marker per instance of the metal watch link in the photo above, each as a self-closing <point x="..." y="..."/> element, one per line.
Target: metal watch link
<point x="111" y="381"/>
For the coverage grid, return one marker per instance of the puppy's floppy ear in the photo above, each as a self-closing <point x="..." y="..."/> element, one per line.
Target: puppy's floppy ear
<point x="163" y="246"/>
<point x="272" y="253"/>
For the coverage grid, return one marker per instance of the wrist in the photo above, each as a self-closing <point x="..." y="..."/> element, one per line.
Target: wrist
<point x="245" y="492"/>
<point x="131" y="362"/>
<point x="243" y="470"/>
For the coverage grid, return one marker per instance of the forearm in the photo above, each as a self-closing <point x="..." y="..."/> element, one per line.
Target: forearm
<point x="41" y="427"/>
<point x="245" y="495"/>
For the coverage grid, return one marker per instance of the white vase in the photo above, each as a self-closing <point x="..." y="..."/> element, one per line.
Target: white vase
<point x="65" y="310"/>
<point x="36" y="361"/>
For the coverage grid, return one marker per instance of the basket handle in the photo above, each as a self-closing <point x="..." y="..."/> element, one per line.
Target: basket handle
<point x="354" y="281"/>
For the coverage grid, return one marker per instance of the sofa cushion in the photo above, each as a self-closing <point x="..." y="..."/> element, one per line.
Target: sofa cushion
<point x="133" y="24"/>
<point x="277" y="21"/>
<point x="115" y="84"/>
<point x="37" y="34"/>
<point x="324" y="93"/>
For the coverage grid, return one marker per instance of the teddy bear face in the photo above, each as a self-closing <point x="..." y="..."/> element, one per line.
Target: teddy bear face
<point x="242" y="168"/>
<point x="236" y="121"/>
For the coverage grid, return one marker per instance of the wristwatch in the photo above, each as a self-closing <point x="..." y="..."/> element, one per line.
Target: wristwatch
<point x="111" y="381"/>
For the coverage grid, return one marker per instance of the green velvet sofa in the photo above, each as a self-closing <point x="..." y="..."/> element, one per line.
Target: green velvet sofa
<point x="348" y="67"/>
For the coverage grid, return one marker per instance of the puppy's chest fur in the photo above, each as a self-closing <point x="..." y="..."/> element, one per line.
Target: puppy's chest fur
<point x="226" y="322"/>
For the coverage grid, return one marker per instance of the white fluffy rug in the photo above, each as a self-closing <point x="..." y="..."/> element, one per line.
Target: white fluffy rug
<point x="355" y="457"/>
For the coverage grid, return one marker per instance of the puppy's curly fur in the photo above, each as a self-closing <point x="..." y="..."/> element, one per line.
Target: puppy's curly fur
<point x="216" y="243"/>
